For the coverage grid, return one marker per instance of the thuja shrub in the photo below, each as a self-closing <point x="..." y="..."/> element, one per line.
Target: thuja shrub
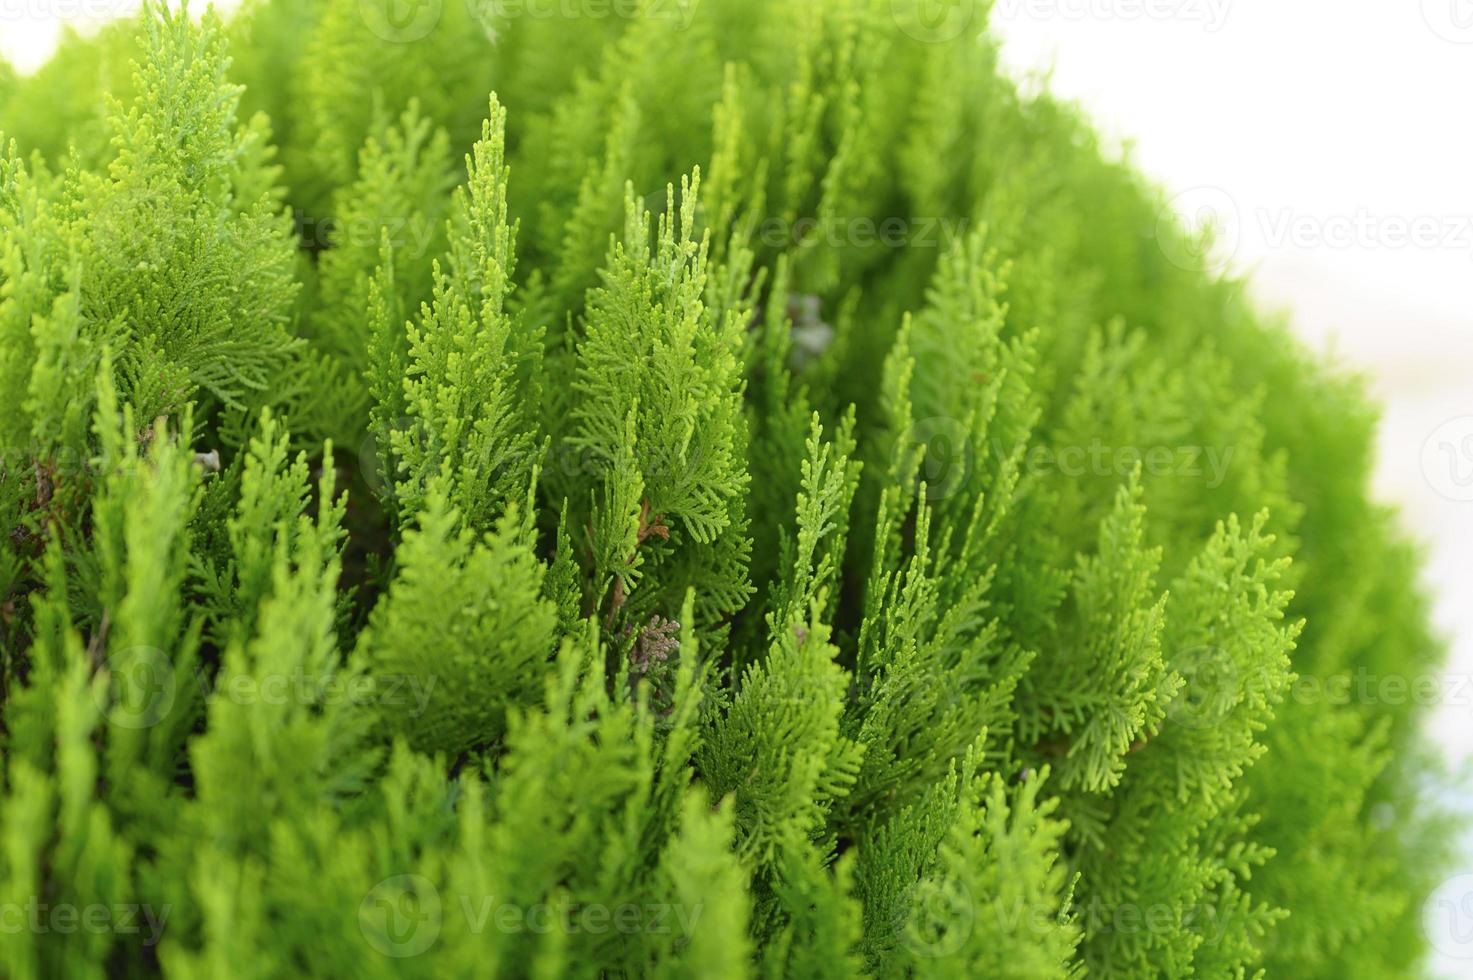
<point x="715" y="489"/>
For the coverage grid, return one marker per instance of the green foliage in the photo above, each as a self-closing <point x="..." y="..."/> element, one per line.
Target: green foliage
<point x="403" y="171"/>
<point x="996" y="905"/>
<point x="657" y="423"/>
<point x="494" y="632"/>
<point x="181" y="244"/>
<point x="472" y="366"/>
<point x="774" y="512"/>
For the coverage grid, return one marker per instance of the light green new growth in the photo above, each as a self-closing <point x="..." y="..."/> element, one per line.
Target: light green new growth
<point x="787" y="506"/>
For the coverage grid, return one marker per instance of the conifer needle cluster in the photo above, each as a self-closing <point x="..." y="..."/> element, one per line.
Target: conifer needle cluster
<point x="655" y="489"/>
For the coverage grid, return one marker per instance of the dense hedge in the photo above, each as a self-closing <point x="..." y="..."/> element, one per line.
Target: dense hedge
<point x="681" y="489"/>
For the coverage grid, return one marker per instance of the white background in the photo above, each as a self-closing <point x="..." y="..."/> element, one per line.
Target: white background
<point x="1321" y="136"/>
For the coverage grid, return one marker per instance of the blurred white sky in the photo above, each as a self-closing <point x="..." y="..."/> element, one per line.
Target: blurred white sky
<point x="1332" y="141"/>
